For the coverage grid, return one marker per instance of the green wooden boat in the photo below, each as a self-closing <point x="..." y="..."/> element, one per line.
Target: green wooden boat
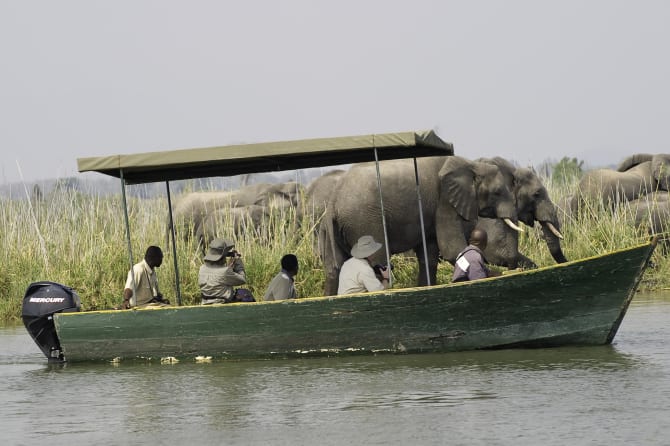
<point x="577" y="303"/>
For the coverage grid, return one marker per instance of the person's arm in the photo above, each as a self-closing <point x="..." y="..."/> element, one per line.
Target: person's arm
<point x="234" y="274"/>
<point x="385" y="277"/>
<point x="128" y="291"/>
<point x="236" y="264"/>
<point x="370" y="281"/>
<point x="127" y="294"/>
<point x="477" y="268"/>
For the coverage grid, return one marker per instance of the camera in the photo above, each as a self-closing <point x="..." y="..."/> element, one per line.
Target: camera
<point x="379" y="268"/>
<point x="233" y="253"/>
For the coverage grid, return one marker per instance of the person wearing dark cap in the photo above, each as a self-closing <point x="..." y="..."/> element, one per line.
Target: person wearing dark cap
<point x="470" y="263"/>
<point x="281" y="286"/>
<point x="357" y="274"/>
<point x="142" y="284"/>
<point x="221" y="271"/>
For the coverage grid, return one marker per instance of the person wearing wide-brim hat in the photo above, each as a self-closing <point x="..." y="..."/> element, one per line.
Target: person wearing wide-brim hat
<point x="220" y="272"/>
<point x="357" y="274"/>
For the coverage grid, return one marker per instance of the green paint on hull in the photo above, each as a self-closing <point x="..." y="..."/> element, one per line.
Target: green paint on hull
<point x="580" y="302"/>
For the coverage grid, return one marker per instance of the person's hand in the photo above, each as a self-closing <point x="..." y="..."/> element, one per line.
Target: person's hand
<point x="385" y="273"/>
<point x="126" y="304"/>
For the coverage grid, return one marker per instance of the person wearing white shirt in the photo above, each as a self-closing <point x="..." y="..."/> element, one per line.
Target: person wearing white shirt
<point x="357" y="274"/>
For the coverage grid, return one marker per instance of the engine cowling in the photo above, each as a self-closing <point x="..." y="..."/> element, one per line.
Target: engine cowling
<point x="40" y="302"/>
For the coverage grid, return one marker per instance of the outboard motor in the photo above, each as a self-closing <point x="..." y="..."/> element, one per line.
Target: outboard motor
<point x="41" y="301"/>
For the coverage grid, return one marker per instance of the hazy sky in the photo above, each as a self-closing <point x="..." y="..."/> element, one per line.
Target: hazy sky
<point x="526" y="80"/>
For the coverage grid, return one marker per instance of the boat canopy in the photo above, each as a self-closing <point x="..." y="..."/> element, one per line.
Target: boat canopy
<point x="265" y="157"/>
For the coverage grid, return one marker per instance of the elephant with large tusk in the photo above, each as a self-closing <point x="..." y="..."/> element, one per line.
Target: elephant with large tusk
<point x="532" y="205"/>
<point x="455" y="192"/>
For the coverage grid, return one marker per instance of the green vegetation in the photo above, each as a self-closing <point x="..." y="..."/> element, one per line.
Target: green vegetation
<point x="567" y="171"/>
<point x="80" y="240"/>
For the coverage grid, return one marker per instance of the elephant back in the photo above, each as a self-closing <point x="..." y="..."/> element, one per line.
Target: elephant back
<point x="660" y="170"/>
<point x="633" y="160"/>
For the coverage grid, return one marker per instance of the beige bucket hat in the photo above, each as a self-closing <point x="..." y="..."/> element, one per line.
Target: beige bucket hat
<point x="365" y="247"/>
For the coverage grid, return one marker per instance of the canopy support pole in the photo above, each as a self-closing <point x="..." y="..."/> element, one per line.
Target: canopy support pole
<point x="423" y="226"/>
<point x="177" y="285"/>
<point x="381" y="203"/>
<point x="130" y="248"/>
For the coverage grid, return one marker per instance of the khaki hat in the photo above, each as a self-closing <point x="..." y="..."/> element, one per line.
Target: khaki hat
<point x="218" y="248"/>
<point x="365" y="247"/>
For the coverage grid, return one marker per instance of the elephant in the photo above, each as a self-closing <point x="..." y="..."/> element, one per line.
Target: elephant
<point x="232" y="221"/>
<point x="652" y="212"/>
<point x="454" y="193"/>
<point x="532" y="204"/>
<point x="191" y="209"/>
<point x="636" y="176"/>
<point x="318" y="192"/>
<point x="280" y="195"/>
<point x="660" y="167"/>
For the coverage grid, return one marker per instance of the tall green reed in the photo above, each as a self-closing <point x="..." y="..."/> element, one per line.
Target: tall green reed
<point x="80" y="240"/>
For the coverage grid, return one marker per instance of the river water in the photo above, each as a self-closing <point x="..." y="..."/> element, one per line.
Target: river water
<point x="609" y="395"/>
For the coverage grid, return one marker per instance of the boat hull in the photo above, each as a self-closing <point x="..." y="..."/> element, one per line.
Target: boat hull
<point x="575" y="303"/>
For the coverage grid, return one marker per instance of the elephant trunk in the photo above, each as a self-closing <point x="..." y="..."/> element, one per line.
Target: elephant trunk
<point x="553" y="242"/>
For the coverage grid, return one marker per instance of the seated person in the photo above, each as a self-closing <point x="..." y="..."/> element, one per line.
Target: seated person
<point x="470" y="263"/>
<point x="357" y="274"/>
<point x="221" y="271"/>
<point x="282" y="285"/>
<point x="142" y="284"/>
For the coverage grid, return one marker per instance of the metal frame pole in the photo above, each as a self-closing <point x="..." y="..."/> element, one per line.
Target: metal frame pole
<point x="381" y="203"/>
<point x="130" y="247"/>
<point x="174" y="244"/>
<point x="423" y="226"/>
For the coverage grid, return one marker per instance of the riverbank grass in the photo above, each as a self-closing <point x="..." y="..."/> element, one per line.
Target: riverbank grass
<point x="80" y="241"/>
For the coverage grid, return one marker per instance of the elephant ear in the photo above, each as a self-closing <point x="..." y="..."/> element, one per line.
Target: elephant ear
<point x="660" y="168"/>
<point x="633" y="161"/>
<point x="457" y="187"/>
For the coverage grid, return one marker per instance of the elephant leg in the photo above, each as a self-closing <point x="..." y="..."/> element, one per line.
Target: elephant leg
<point x="524" y="262"/>
<point x="433" y="254"/>
<point x="331" y="284"/>
<point x="331" y="255"/>
<point x="503" y="245"/>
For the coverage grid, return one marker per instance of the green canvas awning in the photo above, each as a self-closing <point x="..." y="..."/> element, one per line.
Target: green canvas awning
<point x="265" y="157"/>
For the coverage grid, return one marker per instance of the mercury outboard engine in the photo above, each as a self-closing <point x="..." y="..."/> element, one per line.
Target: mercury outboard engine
<point x="41" y="301"/>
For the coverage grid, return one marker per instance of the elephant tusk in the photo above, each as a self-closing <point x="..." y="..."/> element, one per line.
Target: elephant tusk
<point x="511" y="224"/>
<point x="554" y="231"/>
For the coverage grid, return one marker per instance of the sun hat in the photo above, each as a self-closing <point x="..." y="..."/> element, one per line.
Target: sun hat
<point x="365" y="247"/>
<point x="218" y="248"/>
